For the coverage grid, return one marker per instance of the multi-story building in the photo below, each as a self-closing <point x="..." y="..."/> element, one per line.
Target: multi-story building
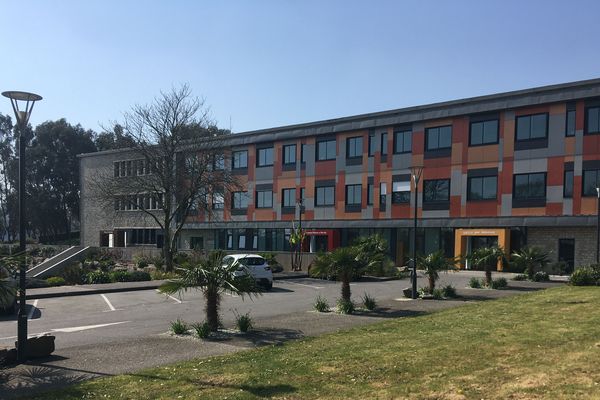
<point x="512" y="168"/>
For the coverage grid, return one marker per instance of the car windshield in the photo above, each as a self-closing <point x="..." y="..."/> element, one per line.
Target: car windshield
<point x="251" y="261"/>
<point x="227" y="260"/>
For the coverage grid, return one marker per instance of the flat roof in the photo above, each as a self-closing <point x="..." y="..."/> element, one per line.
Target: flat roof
<point x="472" y="105"/>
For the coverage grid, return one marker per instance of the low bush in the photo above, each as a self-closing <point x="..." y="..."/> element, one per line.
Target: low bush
<point x="74" y="274"/>
<point x="541" y="276"/>
<point x="423" y="291"/>
<point x="321" y="304"/>
<point x="499" y="283"/>
<point x="47" y="251"/>
<point x="345" y="306"/>
<point x="140" y="261"/>
<point x="179" y="327"/>
<point x="475" y="283"/>
<point x="243" y="321"/>
<point x="98" y="277"/>
<point x="202" y="329"/>
<point x="449" y="291"/>
<point x="520" y="277"/>
<point x="438" y="294"/>
<point x="369" y="302"/>
<point x="139" y="276"/>
<point x="56" y="281"/>
<point x="159" y="274"/>
<point x="585" y="276"/>
<point x="120" y="276"/>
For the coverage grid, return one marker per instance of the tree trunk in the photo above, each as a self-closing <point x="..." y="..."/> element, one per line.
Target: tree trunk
<point x="212" y="309"/>
<point x="431" y="284"/>
<point x="488" y="275"/>
<point x="346" y="288"/>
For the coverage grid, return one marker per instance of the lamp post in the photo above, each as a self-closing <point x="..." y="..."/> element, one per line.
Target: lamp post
<point x="22" y="116"/>
<point x="598" y="228"/>
<point x="299" y="203"/>
<point x="415" y="172"/>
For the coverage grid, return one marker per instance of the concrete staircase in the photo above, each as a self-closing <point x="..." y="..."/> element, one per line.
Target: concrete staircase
<point x="54" y="265"/>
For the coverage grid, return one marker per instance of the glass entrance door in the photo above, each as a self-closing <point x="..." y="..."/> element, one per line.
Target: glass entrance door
<point x="566" y="253"/>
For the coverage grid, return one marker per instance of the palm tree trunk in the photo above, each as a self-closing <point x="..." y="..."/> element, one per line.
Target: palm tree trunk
<point x="488" y="275"/>
<point x="346" y="288"/>
<point x="431" y="284"/>
<point x="212" y="309"/>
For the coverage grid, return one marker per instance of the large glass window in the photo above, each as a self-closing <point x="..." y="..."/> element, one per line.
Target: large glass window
<point x="438" y="138"/>
<point x="239" y="200"/>
<point x="530" y="186"/>
<point x="289" y="154"/>
<point x="570" y="125"/>
<point x="371" y="144"/>
<point x="401" y="192"/>
<point x="568" y="184"/>
<point x="532" y="127"/>
<point x="382" y="193"/>
<point x="354" y="147"/>
<point x="353" y="195"/>
<point x="264" y="198"/>
<point x="303" y="153"/>
<point x="592" y="120"/>
<point x="402" y="142"/>
<point x="218" y="201"/>
<point x="265" y="157"/>
<point x="484" y="132"/>
<point x="370" y="194"/>
<point x="288" y="198"/>
<point x="326" y="150"/>
<point x="482" y="188"/>
<point x="240" y="159"/>
<point x="325" y="196"/>
<point x="436" y="190"/>
<point x="591" y="180"/>
<point x="384" y="144"/>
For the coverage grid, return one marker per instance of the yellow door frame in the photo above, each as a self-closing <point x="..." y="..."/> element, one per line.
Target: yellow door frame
<point x="461" y="235"/>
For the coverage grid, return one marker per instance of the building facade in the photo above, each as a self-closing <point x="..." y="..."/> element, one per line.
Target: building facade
<point x="511" y="169"/>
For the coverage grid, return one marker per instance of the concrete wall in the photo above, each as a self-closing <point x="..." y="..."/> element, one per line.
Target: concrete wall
<point x="547" y="238"/>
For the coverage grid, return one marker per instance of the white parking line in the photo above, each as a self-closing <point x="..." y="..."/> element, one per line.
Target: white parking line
<point x="108" y="302"/>
<point x="179" y="301"/>
<point x="302" y="284"/>
<point x="32" y="309"/>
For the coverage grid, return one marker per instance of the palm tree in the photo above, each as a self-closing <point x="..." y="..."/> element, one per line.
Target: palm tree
<point x="486" y="257"/>
<point x="372" y="253"/>
<point x="433" y="264"/>
<point x="530" y="258"/>
<point x="8" y="285"/>
<point x="211" y="277"/>
<point x="342" y="264"/>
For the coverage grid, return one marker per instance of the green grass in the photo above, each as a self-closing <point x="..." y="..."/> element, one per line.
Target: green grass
<point x="538" y="345"/>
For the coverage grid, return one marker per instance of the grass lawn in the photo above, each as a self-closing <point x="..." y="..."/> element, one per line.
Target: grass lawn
<point x="536" y="346"/>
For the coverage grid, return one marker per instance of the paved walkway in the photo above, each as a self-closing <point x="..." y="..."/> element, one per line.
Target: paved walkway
<point x="75" y="364"/>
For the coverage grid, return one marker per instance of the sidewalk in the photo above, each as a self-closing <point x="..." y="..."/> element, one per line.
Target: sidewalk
<point x="82" y="290"/>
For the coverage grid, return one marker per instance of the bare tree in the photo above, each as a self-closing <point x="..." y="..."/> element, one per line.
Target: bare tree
<point x="178" y="165"/>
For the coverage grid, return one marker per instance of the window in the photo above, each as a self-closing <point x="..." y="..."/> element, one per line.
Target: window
<point x="591" y="180"/>
<point x="529" y="186"/>
<point x="370" y="194"/>
<point x="483" y="132"/>
<point x="218" y="201"/>
<point x="326" y="150"/>
<point x="570" y="125"/>
<point x="436" y="190"/>
<point x="240" y="159"/>
<point x="324" y="196"/>
<point x="438" y="138"/>
<point x="239" y="200"/>
<point x="131" y="168"/>
<point x="219" y="162"/>
<point x="382" y="193"/>
<point x="289" y="154"/>
<point x="482" y="188"/>
<point x="400" y="192"/>
<point x="402" y="142"/>
<point x="288" y="197"/>
<point x="592" y="120"/>
<point x="303" y="153"/>
<point x="384" y="144"/>
<point x="371" y="144"/>
<point x="265" y="157"/>
<point x="532" y="127"/>
<point x="354" y="147"/>
<point x="264" y="198"/>
<point x="568" y="184"/>
<point x="353" y="195"/>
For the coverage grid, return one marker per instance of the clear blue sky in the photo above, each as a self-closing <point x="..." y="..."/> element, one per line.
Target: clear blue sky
<point x="272" y="63"/>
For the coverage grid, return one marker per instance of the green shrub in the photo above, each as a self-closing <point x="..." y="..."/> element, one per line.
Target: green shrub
<point x="585" y="276"/>
<point x="499" y="283"/>
<point x="449" y="291"/>
<point x="423" y="291"/>
<point x="139" y="276"/>
<point x="157" y="261"/>
<point x="520" y="277"/>
<point x="140" y="261"/>
<point x="74" y="274"/>
<point x="321" y="304"/>
<point x="120" y="276"/>
<point x="98" y="277"/>
<point x="47" y="251"/>
<point x="179" y="327"/>
<point x="369" y="302"/>
<point x="202" y="329"/>
<point x="438" y="294"/>
<point x="181" y="258"/>
<point x="475" y="283"/>
<point x="56" y="281"/>
<point x="541" y="276"/>
<point x="160" y="275"/>
<point x="345" y="307"/>
<point x="243" y="321"/>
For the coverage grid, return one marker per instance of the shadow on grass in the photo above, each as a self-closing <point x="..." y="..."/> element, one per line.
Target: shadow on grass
<point x="387" y="312"/>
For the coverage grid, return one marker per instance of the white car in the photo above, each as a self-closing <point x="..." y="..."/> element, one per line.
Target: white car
<point x="254" y="265"/>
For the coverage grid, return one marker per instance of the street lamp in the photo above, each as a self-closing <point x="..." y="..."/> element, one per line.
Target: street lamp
<point x="300" y="204"/>
<point x="415" y="172"/>
<point x="22" y="116"/>
<point x="598" y="228"/>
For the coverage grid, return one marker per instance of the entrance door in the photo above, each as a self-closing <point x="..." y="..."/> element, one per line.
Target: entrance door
<point x="566" y="253"/>
<point x="477" y="242"/>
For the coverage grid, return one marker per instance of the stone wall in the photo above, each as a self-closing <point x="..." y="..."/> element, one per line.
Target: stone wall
<point x="547" y="238"/>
